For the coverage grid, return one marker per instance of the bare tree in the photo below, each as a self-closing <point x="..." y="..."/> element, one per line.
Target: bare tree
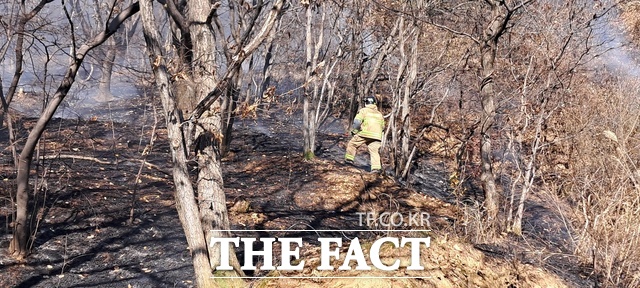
<point x="501" y="14"/>
<point x="309" y="126"/>
<point x="206" y="216"/>
<point x="403" y="90"/>
<point x="233" y="28"/>
<point x="499" y="17"/>
<point x="323" y="52"/>
<point x="18" y="245"/>
<point x="370" y="45"/>
<point x="185" y="199"/>
<point x="20" y="34"/>
<point x="267" y="68"/>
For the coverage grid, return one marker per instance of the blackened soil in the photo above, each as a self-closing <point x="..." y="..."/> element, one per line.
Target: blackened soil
<point x="88" y="181"/>
<point x="87" y="184"/>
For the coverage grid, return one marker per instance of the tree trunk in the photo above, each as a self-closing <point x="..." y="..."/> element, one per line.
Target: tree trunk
<point x="107" y="70"/>
<point x="211" y="198"/>
<point x="185" y="199"/>
<point x="18" y="245"/>
<point x="229" y="104"/>
<point x="9" y="121"/>
<point x="308" y="131"/>
<point x="397" y="111"/>
<point x="406" y="107"/>
<point x="268" y="64"/>
<point x="488" y="50"/>
<point x="529" y="176"/>
<point x="20" y="34"/>
<point x="403" y="92"/>
<point x="19" y="55"/>
<point x="358" y="66"/>
<point x="209" y="134"/>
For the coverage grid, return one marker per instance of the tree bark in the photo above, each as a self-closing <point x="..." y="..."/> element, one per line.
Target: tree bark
<point x="308" y="131"/>
<point x="185" y="199"/>
<point x="211" y="197"/>
<point x="107" y="70"/>
<point x="9" y="121"/>
<point x="228" y="108"/>
<point x="209" y="137"/>
<point x="318" y="70"/>
<point x="409" y="86"/>
<point x="357" y="55"/>
<point x="488" y="50"/>
<point x="268" y="64"/>
<point x="529" y="175"/>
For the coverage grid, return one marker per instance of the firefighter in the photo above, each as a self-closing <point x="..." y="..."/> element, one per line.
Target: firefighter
<point x="367" y="129"/>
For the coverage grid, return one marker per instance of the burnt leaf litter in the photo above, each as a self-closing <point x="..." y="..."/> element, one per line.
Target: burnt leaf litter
<point x="88" y="182"/>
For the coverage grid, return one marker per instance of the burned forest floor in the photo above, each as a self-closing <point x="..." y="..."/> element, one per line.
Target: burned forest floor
<point x="105" y="213"/>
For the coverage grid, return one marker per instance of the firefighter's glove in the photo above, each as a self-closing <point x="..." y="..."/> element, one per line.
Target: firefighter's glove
<point x="354" y="131"/>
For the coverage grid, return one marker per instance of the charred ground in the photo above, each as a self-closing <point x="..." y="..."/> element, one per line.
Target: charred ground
<point x="88" y="182"/>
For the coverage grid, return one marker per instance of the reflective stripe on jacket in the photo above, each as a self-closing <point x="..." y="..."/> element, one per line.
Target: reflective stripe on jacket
<point x="372" y="122"/>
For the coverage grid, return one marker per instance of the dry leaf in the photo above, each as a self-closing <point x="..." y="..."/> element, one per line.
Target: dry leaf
<point x="610" y="135"/>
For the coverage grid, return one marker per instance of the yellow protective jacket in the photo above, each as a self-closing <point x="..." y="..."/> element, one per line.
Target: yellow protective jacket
<point x="370" y="122"/>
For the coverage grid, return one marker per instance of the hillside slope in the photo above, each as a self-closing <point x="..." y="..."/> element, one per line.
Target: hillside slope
<point x="85" y="239"/>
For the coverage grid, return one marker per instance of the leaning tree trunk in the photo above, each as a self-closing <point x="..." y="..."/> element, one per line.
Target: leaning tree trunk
<point x="19" y="56"/>
<point x="18" y="245"/>
<point x="228" y="108"/>
<point x="268" y="65"/>
<point x="529" y="175"/>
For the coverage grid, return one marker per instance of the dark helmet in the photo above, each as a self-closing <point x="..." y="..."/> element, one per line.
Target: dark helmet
<point x="370" y="100"/>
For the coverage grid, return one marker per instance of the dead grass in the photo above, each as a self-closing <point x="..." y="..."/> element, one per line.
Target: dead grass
<point x="450" y="261"/>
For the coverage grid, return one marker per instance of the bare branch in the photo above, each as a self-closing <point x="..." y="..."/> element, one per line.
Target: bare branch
<point x="237" y="60"/>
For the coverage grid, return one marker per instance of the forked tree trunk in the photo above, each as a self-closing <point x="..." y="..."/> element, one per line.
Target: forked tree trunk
<point x="529" y="176"/>
<point x="211" y="197"/>
<point x="209" y="134"/>
<point x="185" y="199"/>
<point x="209" y="211"/>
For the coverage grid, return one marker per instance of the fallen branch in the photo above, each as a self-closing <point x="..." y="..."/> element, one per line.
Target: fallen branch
<point x="78" y="157"/>
<point x="104" y="162"/>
